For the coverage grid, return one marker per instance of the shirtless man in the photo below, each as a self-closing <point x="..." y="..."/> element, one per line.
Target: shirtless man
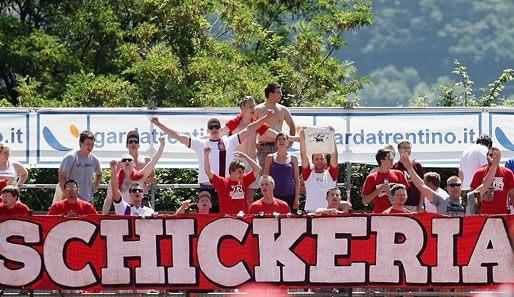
<point x="248" y="146"/>
<point x="273" y="93"/>
<point x="139" y="162"/>
<point x="132" y="144"/>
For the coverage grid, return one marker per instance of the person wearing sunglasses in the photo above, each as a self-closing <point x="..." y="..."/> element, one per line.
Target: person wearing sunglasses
<point x="222" y="148"/>
<point x="127" y="174"/>
<point x="72" y="205"/>
<point x="135" y="205"/>
<point x="377" y="187"/>
<point x="451" y="206"/>
<point x="133" y="145"/>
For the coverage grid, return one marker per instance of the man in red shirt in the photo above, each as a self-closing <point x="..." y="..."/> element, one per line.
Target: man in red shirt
<point x="415" y="200"/>
<point x="232" y="189"/>
<point x="268" y="204"/>
<point x="377" y="186"/>
<point x="10" y="204"/>
<point x="72" y="206"/>
<point x="399" y="193"/>
<point x="495" y="201"/>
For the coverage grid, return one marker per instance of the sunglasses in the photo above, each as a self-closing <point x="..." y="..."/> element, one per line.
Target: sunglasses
<point x="126" y="160"/>
<point x="133" y="141"/>
<point x="391" y="156"/>
<point x="454" y="185"/>
<point x="136" y="191"/>
<point x="214" y="127"/>
<point x="72" y="187"/>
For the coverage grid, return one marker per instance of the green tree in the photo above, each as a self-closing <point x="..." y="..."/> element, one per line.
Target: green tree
<point x="112" y="53"/>
<point x="459" y="92"/>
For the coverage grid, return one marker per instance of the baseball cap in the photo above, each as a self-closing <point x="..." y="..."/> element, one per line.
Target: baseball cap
<point x="131" y="134"/>
<point x="213" y="120"/>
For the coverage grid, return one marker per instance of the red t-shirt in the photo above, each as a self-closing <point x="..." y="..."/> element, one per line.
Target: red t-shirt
<point x="232" y="195"/>
<point x="502" y="183"/>
<point x="18" y="209"/>
<point x="3" y="183"/>
<point x="375" y="180"/>
<point x="390" y="210"/>
<point x="278" y="205"/>
<point x="233" y="123"/>
<point x="81" y="208"/>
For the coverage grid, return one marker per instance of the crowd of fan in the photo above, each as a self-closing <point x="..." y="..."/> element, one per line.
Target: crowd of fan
<point x="251" y="152"/>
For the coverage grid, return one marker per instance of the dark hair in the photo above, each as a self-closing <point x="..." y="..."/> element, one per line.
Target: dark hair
<point x="492" y="150"/>
<point x="333" y="189"/>
<point x="381" y="155"/>
<point x="324" y="156"/>
<point x="397" y="187"/>
<point x="403" y="142"/>
<point x="132" y="134"/>
<point x="14" y="190"/>
<point x="71" y="181"/>
<point x="281" y="134"/>
<point x="484" y="140"/>
<point x="434" y="178"/>
<point x="235" y="164"/>
<point x="86" y="134"/>
<point x="270" y="88"/>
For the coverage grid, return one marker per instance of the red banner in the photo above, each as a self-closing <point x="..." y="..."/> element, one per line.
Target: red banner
<point x="209" y="251"/>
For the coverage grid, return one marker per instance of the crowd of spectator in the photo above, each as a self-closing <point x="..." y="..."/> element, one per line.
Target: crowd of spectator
<point x="232" y="157"/>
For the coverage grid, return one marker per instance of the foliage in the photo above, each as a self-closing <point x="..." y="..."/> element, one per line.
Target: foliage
<point x="460" y="92"/>
<point x="112" y="53"/>
<point x="175" y="53"/>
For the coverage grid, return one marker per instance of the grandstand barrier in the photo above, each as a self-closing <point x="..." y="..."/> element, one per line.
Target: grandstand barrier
<point x="216" y="252"/>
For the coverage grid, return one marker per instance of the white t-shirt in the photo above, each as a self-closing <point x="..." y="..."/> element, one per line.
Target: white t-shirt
<point x="471" y="160"/>
<point x="317" y="185"/>
<point x="429" y="207"/>
<point x="228" y="143"/>
<point x="123" y="208"/>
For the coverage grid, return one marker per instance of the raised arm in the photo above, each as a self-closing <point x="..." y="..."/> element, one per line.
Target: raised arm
<point x="252" y="128"/>
<point x="185" y="205"/>
<point x="207" y="163"/>
<point x="255" y="166"/>
<point x="334" y="162"/>
<point x="416" y="179"/>
<point x="303" y="151"/>
<point x="272" y="134"/>
<point x="369" y="197"/>
<point x="488" y="179"/>
<point x="116" y="195"/>
<point x="175" y="134"/>
<point x="148" y="169"/>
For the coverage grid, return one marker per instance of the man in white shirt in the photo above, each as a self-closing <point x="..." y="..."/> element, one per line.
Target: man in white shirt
<point x="222" y="150"/>
<point x="473" y="158"/>
<point x="318" y="179"/>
